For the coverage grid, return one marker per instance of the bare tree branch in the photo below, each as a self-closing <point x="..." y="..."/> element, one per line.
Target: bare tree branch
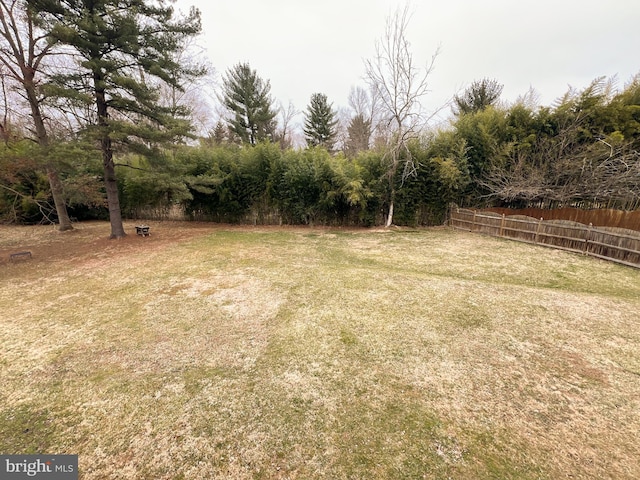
<point x="399" y="86"/>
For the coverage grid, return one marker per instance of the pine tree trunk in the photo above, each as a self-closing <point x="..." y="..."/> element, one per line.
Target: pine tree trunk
<point x="111" y="185"/>
<point x="113" y="201"/>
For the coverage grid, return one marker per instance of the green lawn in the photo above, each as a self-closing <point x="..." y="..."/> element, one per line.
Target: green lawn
<point x="317" y="353"/>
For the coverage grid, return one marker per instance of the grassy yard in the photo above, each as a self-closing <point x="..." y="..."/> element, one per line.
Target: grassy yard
<point x="218" y="352"/>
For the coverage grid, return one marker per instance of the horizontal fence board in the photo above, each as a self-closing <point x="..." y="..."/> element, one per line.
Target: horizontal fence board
<point x="622" y="248"/>
<point x="623" y="262"/>
<point x="608" y="245"/>
<point x="557" y="247"/>
<point x="562" y="237"/>
<point x="519" y="220"/>
<point x="519" y="230"/>
<point x="582" y="228"/>
<point x="600" y="217"/>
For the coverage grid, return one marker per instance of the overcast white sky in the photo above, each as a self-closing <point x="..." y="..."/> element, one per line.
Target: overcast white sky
<point x="304" y="47"/>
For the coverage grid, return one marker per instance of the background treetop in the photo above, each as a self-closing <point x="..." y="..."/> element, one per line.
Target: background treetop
<point x="248" y="99"/>
<point x="478" y="96"/>
<point x="320" y="122"/>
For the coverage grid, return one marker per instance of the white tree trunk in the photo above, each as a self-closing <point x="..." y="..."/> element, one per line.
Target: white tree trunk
<point x="390" y="217"/>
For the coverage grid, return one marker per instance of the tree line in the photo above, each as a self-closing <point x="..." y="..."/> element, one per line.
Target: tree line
<point x="268" y="185"/>
<point x="110" y="133"/>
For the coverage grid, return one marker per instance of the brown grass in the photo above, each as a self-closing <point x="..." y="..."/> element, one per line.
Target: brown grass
<point x="226" y="352"/>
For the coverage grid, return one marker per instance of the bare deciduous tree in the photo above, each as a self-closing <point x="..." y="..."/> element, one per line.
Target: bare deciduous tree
<point x="399" y="85"/>
<point x="22" y="50"/>
<point x="285" y="133"/>
<point x="191" y="98"/>
<point x="561" y="172"/>
<point x="360" y="102"/>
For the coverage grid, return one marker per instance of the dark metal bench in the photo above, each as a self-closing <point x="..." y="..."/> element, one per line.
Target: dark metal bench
<point x="142" y="230"/>
<point x="13" y="257"/>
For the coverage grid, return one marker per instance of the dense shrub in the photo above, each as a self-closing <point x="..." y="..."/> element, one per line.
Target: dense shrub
<point x="261" y="184"/>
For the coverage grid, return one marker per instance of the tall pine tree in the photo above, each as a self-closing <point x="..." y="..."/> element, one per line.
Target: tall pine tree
<point x="320" y="122"/>
<point x="247" y="97"/>
<point x="124" y="46"/>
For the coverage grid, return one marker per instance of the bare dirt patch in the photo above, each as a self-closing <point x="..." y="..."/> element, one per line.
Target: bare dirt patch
<point x="91" y="240"/>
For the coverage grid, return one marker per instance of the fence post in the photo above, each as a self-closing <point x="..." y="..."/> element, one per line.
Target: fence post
<point x="473" y="222"/>
<point x="587" y="239"/>
<point x="502" y="226"/>
<point x="535" y="239"/>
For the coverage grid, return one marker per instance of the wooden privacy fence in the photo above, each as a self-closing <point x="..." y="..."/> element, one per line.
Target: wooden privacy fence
<point x="601" y="217"/>
<point x="615" y="244"/>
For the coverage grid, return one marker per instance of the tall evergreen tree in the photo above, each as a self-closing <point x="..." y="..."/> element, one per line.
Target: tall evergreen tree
<point x="219" y="134"/>
<point x="121" y="44"/>
<point x="247" y="97"/>
<point x="359" y="131"/>
<point x="320" y="122"/>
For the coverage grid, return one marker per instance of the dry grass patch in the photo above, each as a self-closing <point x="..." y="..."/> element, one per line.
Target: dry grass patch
<point x="216" y="352"/>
